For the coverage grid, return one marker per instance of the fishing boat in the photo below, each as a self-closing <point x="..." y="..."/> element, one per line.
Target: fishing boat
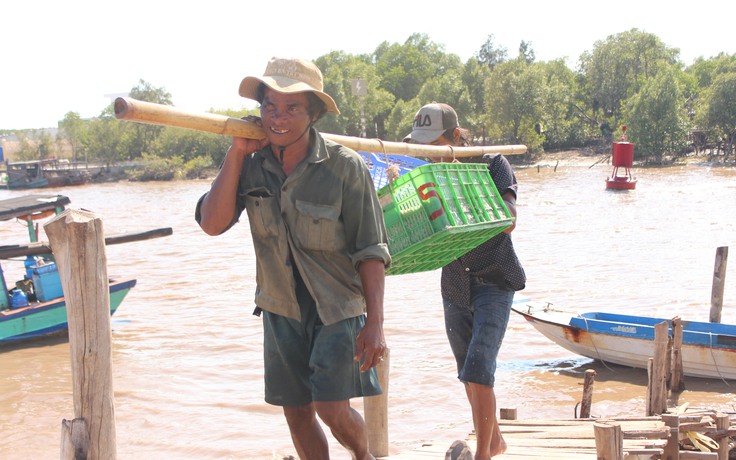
<point x="708" y="349"/>
<point x="34" y="306"/>
<point x="22" y="175"/>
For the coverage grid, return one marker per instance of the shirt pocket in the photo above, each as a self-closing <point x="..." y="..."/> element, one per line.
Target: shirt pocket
<point x="263" y="212"/>
<point x="318" y="226"/>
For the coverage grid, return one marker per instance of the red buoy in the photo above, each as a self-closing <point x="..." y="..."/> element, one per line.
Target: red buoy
<point x="622" y="157"/>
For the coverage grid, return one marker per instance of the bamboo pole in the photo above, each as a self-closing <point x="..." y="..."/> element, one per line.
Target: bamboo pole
<point x="158" y="114"/>
<point x="719" y="281"/>
<point x="76" y="238"/>
<point x="376" y="411"/>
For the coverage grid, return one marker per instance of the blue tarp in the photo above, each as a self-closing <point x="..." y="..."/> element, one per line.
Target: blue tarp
<point x="377" y="165"/>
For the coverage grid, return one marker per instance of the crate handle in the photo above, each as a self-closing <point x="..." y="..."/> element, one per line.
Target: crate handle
<point x="389" y="171"/>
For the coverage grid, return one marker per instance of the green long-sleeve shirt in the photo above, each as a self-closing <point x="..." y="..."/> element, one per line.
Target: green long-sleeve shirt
<point x="324" y="218"/>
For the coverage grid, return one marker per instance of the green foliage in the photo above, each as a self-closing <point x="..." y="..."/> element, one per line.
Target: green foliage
<point x="35" y="144"/>
<point x="74" y="131"/>
<point x="630" y="77"/>
<point x="339" y="70"/>
<point x="155" y="168"/>
<point x="145" y="135"/>
<point x="656" y="118"/>
<point x="108" y="140"/>
<point x="515" y="95"/>
<point x="405" y="68"/>
<point x="197" y="168"/>
<point x="618" y="67"/>
<point x="490" y="55"/>
<point x="719" y="114"/>
<point x="190" y="144"/>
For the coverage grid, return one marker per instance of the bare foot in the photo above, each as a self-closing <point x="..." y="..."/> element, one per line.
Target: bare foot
<point x="498" y="446"/>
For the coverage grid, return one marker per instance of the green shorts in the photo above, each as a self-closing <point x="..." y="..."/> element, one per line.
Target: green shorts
<point x="306" y="361"/>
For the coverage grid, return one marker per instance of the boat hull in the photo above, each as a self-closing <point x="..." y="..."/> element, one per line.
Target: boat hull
<point x="708" y="349"/>
<point x="49" y="318"/>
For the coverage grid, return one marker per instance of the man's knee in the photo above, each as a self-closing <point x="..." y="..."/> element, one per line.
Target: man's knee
<point x="333" y="413"/>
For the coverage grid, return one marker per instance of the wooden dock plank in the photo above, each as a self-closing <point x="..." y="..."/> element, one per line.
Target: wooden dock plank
<point x="551" y="439"/>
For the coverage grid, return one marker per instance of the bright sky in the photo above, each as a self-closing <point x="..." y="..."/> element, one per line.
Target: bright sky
<point x="62" y="56"/>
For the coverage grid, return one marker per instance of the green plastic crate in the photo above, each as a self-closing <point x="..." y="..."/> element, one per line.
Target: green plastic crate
<point x="438" y="212"/>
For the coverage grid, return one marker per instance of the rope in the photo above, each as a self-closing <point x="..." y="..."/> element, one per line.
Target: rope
<point x="710" y="335"/>
<point x="392" y="171"/>
<point x="594" y="345"/>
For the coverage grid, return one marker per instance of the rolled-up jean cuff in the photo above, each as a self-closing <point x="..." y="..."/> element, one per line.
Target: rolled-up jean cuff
<point x="476" y="331"/>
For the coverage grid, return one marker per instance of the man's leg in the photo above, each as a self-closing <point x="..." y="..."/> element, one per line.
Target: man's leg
<point x="347" y="427"/>
<point x="488" y="435"/>
<point x="306" y="433"/>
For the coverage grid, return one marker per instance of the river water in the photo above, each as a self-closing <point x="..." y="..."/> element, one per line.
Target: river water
<point x="187" y="358"/>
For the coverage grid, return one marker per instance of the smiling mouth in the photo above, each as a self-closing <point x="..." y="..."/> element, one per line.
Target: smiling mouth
<point x="279" y="131"/>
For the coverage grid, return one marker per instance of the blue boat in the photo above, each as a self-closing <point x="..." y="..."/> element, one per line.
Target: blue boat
<point x="708" y="349"/>
<point x="34" y="306"/>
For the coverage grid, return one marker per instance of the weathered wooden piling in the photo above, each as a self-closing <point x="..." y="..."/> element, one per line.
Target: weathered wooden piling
<point x="587" y="400"/>
<point x="719" y="282"/>
<point x="609" y="440"/>
<point x="657" y="372"/>
<point x="77" y="240"/>
<point x="677" y="382"/>
<point x="376" y="411"/>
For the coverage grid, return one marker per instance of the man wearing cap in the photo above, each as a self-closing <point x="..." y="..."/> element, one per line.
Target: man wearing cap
<point x="321" y="254"/>
<point x="477" y="290"/>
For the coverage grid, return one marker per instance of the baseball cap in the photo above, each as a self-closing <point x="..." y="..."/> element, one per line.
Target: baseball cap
<point x="431" y="121"/>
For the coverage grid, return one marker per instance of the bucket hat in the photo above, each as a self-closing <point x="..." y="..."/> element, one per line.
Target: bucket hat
<point x="289" y="75"/>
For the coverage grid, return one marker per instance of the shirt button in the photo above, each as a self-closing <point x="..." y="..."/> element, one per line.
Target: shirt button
<point x="467" y="269"/>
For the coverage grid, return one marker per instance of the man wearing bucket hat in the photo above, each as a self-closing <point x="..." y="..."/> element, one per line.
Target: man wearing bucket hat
<point x="321" y="253"/>
<point x="477" y="290"/>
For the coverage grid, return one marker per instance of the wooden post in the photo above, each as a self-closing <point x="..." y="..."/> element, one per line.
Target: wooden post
<point x="657" y="388"/>
<point x="672" y="448"/>
<point x="723" y="423"/>
<point x="376" y="411"/>
<point x="678" y="382"/>
<point x="609" y="440"/>
<point x="507" y="413"/>
<point x="719" y="281"/>
<point x="74" y="439"/>
<point x="587" y="401"/>
<point x="77" y="239"/>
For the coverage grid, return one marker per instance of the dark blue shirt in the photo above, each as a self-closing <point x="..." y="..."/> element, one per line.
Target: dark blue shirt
<point x="495" y="260"/>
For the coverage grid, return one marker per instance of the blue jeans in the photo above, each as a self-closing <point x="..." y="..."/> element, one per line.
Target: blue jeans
<point x="476" y="331"/>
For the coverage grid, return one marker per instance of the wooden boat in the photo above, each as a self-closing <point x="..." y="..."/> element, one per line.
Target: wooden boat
<point x="22" y="175"/>
<point x="34" y="306"/>
<point x="708" y="349"/>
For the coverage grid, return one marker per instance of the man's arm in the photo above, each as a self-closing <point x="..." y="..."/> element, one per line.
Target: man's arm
<point x="509" y="199"/>
<point x="218" y="206"/>
<point x="371" y="343"/>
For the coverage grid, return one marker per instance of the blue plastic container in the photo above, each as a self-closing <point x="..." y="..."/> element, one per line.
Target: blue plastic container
<point x="29" y="263"/>
<point x="46" y="282"/>
<point x="19" y="299"/>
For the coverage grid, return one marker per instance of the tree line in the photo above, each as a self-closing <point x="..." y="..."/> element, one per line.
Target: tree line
<point x="629" y="79"/>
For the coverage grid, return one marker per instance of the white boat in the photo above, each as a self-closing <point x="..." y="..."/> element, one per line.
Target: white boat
<point x="708" y="349"/>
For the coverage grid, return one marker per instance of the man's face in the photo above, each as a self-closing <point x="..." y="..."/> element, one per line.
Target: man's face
<point x="284" y="116"/>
